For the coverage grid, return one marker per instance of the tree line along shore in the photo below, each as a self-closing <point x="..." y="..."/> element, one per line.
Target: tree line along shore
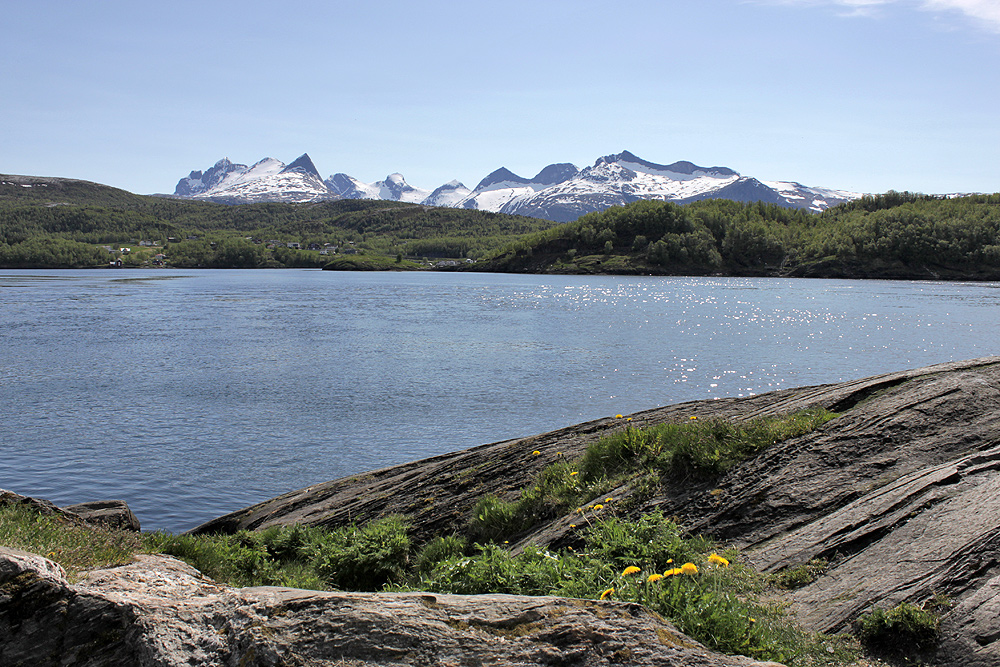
<point x="58" y="223"/>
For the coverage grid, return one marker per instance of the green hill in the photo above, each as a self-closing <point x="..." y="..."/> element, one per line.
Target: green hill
<point x="52" y="222"/>
<point x="895" y="235"/>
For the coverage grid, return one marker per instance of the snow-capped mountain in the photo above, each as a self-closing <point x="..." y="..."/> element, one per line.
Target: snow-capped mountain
<point x="267" y="180"/>
<point x="449" y="194"/>
<point x="559" y="192"/>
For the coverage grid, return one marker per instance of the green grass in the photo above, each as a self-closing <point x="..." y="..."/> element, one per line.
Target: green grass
<point x="641" y="457"/>
<point x="352" y="557"/>
<point x="801" y="575"/>
<point x="902" y="630"/>
<point x="77" y="548"/>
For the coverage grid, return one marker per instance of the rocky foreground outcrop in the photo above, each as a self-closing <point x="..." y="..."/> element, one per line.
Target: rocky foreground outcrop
<point x="158" y="611"/>
<point x="900" y="494"/>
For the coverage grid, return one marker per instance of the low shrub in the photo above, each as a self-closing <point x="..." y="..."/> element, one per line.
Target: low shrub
<point x="901" y="629"/>
<point x="650" y="561"/>
<point x="364" y="558"/>
<point x="439" y="549"/>
<point x="239" y="559"/>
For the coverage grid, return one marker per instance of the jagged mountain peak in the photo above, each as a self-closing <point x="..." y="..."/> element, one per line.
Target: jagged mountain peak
<point x="303" y="164"/>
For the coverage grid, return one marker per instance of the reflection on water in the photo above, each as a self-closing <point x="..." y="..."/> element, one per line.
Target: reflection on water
<point x="191" y="394"/>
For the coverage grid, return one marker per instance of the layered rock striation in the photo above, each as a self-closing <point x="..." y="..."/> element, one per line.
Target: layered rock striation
<point x="899" y="495"/>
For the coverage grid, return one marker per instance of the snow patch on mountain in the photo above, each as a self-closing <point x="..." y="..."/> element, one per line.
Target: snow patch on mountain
<point x="816" y="199"/>
<point x="448" y="195"/>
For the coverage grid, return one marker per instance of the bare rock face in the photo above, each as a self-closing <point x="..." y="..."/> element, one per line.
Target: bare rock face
<point x="900" y="494"/>
<point x="159" y="611"/>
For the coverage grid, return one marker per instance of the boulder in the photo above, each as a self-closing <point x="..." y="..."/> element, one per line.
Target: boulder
<point x="159" y="611"/>
<point x="109" y="513"/>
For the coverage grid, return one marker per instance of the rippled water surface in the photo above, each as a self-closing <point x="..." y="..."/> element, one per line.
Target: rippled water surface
<point x="194" y="393"/>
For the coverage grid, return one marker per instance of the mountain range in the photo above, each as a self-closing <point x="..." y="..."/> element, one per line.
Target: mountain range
<point x="560" y="192"/>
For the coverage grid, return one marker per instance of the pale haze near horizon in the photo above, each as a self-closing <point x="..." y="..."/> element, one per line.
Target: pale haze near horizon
<point x="860" y="95"/>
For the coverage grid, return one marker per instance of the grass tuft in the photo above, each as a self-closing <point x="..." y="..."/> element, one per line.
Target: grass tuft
<point x="76" y="547"/>
<point x="903" y="629"/>
<point x="640" y="457"/>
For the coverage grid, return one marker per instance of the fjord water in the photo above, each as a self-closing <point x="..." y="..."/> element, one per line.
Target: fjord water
<point x="190" y="394"/>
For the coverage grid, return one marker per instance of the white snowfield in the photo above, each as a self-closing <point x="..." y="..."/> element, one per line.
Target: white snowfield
<point x="611" y="180"/>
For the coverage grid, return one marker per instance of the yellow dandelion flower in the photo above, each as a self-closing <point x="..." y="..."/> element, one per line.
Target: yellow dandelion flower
<point x="572" y="525"/>
<point x="607" y="593"/>
<point x="618" y="416"/>
<point x="631" y="569"/>
<point x="575" y="472"/>
<point x="629" y="419"/>
<point x="693" y="417"/>
<point x="669" y="561"/>
<point x="753" y="620"/>
<point x="718" y="560"/>
<point x="671" y="573"/>
<point x="535" y="453"/>
<point x="653" y="578"/>
<point x="689" y="568"/>
<point x="598" y="507"/>
<point x="608" y="500"/>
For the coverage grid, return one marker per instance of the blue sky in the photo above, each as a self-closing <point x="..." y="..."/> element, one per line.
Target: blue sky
<point x="863" y="95"/>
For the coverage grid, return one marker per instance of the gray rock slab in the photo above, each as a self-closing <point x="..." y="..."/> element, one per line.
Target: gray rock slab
<point x="159" y="611"/>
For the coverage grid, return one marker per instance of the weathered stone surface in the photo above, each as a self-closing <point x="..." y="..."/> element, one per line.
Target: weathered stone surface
<point x="159" y="611"/>
<point x="110" y="513"/>
<point x="900" y="493"/>
<point x="44" y="621"/>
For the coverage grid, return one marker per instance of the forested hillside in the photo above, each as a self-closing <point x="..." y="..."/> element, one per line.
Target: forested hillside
<point x="48" y="222"/>
<point x="895" y="235"/>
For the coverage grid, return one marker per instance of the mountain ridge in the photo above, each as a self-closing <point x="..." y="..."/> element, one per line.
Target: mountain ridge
<point x="560" y="192"/>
